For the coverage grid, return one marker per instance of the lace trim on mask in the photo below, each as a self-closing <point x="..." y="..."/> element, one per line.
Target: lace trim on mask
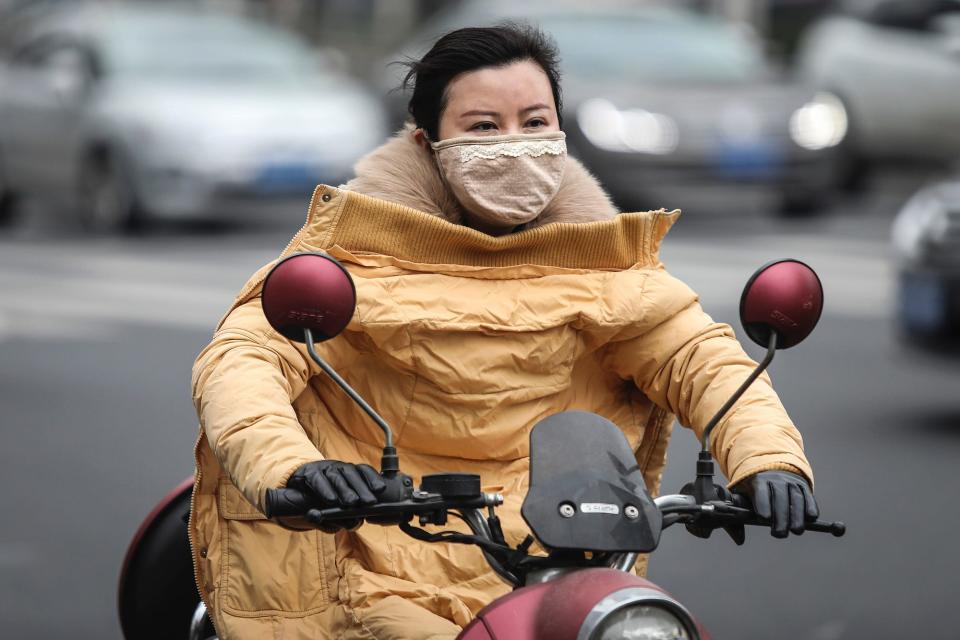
<point x="513" y="149"/>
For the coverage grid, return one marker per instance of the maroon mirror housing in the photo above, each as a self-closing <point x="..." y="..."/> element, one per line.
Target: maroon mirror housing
<point x="786" y="297"/>
<point x="309" y="291"/>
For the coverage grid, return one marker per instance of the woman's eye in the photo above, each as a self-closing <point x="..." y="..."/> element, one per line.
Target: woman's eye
<point x="537" y="122"/>
<point x="483" y="126"/>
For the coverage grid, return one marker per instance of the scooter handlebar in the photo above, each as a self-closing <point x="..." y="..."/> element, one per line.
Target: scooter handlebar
<point x="403" y="510"/>
<point x="731" y="509"/>
<point x="421" y="503"/>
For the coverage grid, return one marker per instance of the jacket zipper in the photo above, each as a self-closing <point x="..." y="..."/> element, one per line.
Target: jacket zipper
<point x="299" y="234"/>
<point x="244" y="294"/>
<point x="193" y="503"/>
<point x="651" y="435"/>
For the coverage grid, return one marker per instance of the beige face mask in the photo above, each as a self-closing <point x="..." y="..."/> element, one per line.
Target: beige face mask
<point x="503" y="180"/>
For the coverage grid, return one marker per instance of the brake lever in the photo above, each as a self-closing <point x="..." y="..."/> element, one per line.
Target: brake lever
<point x="836" y="529"/>
<point x="740" y="502"/>
<point x="384" y="513"/>
<point x="391" y="513"/>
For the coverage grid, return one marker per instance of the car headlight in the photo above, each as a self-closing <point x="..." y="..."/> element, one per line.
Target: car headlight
<point x="626" y="130"/>
<point x="820" y="123"/>
<point x="638" y="614"/>
<point x="922" y="218"/>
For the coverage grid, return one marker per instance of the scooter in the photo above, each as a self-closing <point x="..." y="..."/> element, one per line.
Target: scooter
<point x="587" y="504"/>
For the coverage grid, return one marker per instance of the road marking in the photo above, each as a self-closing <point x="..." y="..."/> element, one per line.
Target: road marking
<point x="857" y="283"/>
<point x="87" y="291"/>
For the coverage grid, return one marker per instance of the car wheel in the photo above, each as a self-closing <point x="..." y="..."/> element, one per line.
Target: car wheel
<point x="107" y="199"/>
<point x="8" y="201"/>
<point x="853" y="172"/>
<point x="801" y="203"/>
<point x="853" y="169"/>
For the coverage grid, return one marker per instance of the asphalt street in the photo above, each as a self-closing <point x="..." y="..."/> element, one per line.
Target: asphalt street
<point x="97" y="337"/>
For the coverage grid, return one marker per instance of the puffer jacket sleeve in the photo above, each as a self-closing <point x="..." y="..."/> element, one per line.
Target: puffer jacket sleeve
<point x="690" y="365"/>
<point x="244" y="384"/>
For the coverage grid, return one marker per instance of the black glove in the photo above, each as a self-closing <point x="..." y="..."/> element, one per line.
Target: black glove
<point x="782" y="497"/>
<point x="324" y="484"/>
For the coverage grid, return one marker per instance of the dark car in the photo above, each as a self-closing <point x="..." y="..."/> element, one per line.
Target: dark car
<point x="926" y="239"/>
<point x="670" y="107"/>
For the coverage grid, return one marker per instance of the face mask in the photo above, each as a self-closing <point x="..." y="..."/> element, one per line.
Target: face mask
<point x="503" y="180"/>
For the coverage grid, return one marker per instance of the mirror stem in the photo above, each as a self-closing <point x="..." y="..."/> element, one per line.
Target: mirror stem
<point x="771" y="350"/>
<point x="389" y="463"/>
<point x="703" y="488"/>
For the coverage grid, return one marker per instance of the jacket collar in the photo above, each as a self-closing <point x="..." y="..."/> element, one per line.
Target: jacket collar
<point x="403" y="172"/>
<point x="348" y="224"/>
<point x="351" y="222"/>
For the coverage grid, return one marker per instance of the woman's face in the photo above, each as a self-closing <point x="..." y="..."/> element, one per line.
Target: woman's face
<point x="498" y="101"/>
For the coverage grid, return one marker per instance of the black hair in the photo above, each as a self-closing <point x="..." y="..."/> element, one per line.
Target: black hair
<point x="470" y="49"/>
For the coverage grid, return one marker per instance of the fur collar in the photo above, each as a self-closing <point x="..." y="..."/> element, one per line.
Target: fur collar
<point x="403" y="172"/>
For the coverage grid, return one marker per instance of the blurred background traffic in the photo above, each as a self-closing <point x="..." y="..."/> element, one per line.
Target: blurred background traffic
<point x="153" y="154"/>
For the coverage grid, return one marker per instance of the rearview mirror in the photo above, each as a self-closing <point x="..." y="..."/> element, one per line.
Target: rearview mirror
<point x="309" y="291"/>
<point x="784" y="297"/>
<point x="310" y="297"/>
<point x="780" y="306"/>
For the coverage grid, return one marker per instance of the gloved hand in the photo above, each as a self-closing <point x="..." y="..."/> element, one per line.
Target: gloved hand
<point x="323" y="484"/>
<point x="782" y="497"/>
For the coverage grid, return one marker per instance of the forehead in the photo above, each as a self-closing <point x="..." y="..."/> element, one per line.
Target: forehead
<point x="503" y="89"/>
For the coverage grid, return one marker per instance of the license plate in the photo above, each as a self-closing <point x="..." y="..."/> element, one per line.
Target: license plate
<point x="923" y="303"/>
<point x="286" y="177"/>
<point x="753" y="160"/>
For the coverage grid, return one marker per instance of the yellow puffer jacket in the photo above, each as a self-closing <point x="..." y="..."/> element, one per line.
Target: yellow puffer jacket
<point x="462" y="342"/>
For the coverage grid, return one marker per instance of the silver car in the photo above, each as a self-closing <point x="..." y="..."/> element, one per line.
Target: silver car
<point x="673" y="108"/>
<point x="131" y="113"/>
<point x="896" y="64"/>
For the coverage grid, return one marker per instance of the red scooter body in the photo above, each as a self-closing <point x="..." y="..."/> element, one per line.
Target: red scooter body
<point x="556" y="609"/>
<point x="157" y="593"/>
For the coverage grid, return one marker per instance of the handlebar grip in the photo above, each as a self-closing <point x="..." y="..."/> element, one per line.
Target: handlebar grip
<point x="291" y="503"/>
<point x="837" y="529"/>
<point x="284" y="503"/>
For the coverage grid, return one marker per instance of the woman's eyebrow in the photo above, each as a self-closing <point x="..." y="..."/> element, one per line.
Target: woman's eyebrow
<point x="534" y="107"/>
<point x="476" y="112"/>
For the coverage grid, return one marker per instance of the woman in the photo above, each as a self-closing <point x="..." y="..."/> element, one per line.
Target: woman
<point x="477" y="316"/>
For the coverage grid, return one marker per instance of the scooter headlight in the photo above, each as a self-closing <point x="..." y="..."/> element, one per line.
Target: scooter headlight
<point x="638" y="614"/>
<point x="641" y="622"/>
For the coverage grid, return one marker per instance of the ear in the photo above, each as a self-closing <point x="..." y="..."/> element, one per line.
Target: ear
<point x="421" y="139"/>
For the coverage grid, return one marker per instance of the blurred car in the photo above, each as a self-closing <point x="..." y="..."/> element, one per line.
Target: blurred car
<point x="666" y="105"/>
<point x="896" y="65"/>
<point x="926" y="240"/>
<point x="135" y="112"/>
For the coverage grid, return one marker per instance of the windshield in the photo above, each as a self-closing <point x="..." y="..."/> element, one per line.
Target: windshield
<point x="654" y="46"/>
<point x="206" y="49"/>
